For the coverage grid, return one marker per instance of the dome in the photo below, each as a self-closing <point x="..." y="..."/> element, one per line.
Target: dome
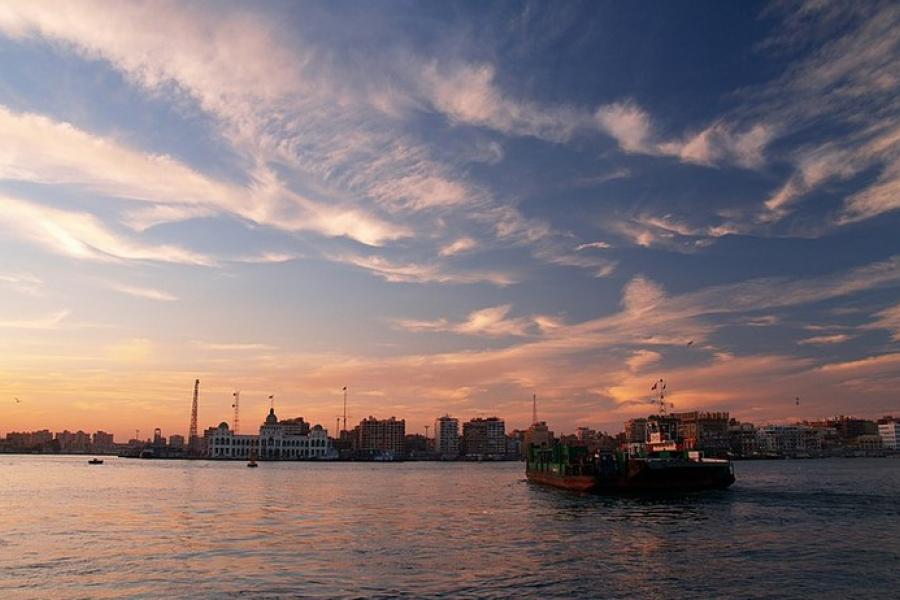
<point x="271" y="419"/>
<point x="223" y="425"/>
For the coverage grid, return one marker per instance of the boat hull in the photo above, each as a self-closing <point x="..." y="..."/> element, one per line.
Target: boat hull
<point x="573" y="483"/>
<point x="643" y="476"/>
<point x="668" y="476"/>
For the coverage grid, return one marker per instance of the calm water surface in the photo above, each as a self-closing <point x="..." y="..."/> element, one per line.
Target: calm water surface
<point x="132" y="528"/>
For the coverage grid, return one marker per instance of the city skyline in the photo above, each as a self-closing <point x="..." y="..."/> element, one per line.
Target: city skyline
<point x="447" y="208"/>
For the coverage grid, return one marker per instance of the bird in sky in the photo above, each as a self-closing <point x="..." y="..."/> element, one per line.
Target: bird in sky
<point x="18" y="401"/>
<point x="690" y="343"/>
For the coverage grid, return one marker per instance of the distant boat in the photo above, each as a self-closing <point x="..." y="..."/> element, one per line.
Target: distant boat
<point x="95" y="461"/>
<point x="252" y="463"/>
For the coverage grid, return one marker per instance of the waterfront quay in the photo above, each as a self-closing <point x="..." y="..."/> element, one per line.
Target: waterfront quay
<point x="478" y="439"/>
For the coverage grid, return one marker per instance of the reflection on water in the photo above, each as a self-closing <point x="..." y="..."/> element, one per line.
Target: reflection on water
<point x="175" y="528"/>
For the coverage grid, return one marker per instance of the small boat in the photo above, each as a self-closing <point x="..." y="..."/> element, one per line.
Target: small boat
<point x="95" y="461"/>
<point x="252" y="463"/>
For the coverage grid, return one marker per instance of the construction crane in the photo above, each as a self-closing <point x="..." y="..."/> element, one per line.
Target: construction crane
<point x="236" y="405"/>
<point x="192" y="435"/>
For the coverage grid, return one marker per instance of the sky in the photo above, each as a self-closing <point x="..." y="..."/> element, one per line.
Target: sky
<point x="447" y="207"/>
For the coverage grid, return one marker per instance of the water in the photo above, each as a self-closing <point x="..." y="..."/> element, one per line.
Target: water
<point x="138" y="528"/>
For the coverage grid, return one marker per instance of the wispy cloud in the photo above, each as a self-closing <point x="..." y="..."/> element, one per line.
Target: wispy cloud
<point x="399" y="272"/>
<point x="641" y="359"/>
<point x="887" y="319"/>
<point x="141" y="292"/>
<point x="593" y="246"/>
<point x="633" y="129"/>
<point x="819" y="340"/>
<point x="493" y="321"/>
<point x="83" y="236"/>
<point x="50" y="321"/>
<point x="44" y="151"/>
<point x="23" y="283"/>
<point x="232" y="346"/>
<point x="459" y="246"/>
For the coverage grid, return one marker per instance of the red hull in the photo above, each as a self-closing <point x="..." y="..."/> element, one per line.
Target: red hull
<point x="574" y="483"/>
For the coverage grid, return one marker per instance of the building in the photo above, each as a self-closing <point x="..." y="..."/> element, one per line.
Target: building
<point x="788" y="440"/>
<point x="159" y="440"/>
<point x="176" y="441"/>
<point x="78" y="441"/>
<point x="850" y="428"/>
<point x="286" y="440"/>
<point x="381" y="438"/>
<point x="484" y="438"/>
<point x="538" y="434"/>
<point x="869" y="441"/>
<point x="291" y="439"/>
<point x="595" y="441"/>
<point x="29" y="440"/>
<point x="103" y="442"/>
<point x="416" y="446"/>
<point x="706" y="431"/>
<point x="446" y="437"/>
<point x="224" y="443"/>
<point x="636" y="431"/>
<point x="742" y="438"/>
<point x="889" y="431"/>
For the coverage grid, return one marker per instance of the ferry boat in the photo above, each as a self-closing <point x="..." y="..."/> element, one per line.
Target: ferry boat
<point x="657" y="466"/>
<point x="95" y="461"/>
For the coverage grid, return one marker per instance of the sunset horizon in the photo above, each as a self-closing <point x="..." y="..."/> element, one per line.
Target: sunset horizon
<point x="447" y="209"/>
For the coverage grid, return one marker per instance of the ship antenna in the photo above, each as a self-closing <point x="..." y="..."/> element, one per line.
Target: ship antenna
<point x="662" y="396"/>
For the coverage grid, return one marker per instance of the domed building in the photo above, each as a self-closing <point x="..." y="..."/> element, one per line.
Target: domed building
<point x="222" y="442"/>
<point x="290" y="439"/>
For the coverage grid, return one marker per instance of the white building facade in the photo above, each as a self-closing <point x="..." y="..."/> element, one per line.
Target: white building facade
<point x="224" y="443"/>
<point x="446" y="436"/>
<point x="890" y="435"/>
<point x="286" y="440"/>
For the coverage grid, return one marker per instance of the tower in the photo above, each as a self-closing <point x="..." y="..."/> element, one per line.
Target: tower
<point x="345" y="408"/>
<point x="193" y="440"/>
<point x="236" y="425"/>
<point x="534" y="409"/>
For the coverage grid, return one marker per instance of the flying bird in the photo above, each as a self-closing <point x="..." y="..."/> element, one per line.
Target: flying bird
<point x="690" y="343"/>
<point x="18" y="401"/>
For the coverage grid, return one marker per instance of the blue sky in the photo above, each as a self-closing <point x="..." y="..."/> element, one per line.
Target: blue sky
<point x="447" y="207"/>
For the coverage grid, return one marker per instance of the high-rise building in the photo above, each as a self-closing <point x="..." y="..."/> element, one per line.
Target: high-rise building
<point x="446" y="436"/>
<point x="103" y="442"/>
<point x="484" y="438"/>
<point x="849" y="428"/>
<point x="789" y="439"/>
<point x="890" y="434"/>
<point x="78" y="441"/>
<point x="380" y="436"/>
<point x="707" y="431"/>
